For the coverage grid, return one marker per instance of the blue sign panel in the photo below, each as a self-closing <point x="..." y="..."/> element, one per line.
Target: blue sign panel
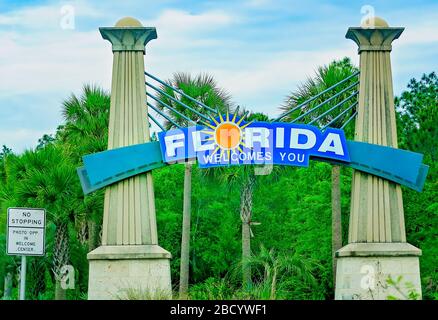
<point x="230" y="141"/>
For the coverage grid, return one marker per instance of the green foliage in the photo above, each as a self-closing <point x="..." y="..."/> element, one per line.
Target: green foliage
<point x="418" y="116"/>
<point x="86" y="121"/>
<point x="275" y="276"/>
<point x="214" y="222"/>
<point x="140" y="294"/>
<point x="417" y="126"/>
<point x="202" y="87"/>
<point x="40" y="183"/>
<point x="212" y="289"/>
<point x="405" y="291"/>
<point x="45" y="140"/>
<point x="325" y="77"/>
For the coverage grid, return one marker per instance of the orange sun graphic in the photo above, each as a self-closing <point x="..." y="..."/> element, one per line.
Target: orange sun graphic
<point x="227" y="132"/>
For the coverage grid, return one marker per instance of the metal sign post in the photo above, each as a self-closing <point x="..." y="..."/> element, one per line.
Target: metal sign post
<point x="26" y="237"/>
<point x="23" y="278"/>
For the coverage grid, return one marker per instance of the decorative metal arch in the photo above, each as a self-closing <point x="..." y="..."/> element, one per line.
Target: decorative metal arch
<point x="107" y="167"/>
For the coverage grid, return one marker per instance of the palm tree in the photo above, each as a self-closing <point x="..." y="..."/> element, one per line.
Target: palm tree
<point x="245" y="179"/>
<point x="86" y="116"/>
<point x="277" y="272"/>
<point x="202" y="88"/>
<point x="85" y="132"/>
<point x="7" y="199"/>
<point x="46" y="178"/>
<point x="325" y="77"/>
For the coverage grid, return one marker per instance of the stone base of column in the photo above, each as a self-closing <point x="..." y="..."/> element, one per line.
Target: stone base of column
<point x="363" y="269"/>
<point x="129" y="272"/>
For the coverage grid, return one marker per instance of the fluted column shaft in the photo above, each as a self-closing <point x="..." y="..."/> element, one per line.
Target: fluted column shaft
<point x="129" y="207"/>
<point x="376" y="213"/>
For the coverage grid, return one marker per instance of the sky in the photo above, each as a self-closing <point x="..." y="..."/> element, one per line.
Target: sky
<point x="257" y="50"/>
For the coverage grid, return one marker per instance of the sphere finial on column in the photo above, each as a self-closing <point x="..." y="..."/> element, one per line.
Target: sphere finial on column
<point x="128" y="22"/>
<point x="374" y="22"/>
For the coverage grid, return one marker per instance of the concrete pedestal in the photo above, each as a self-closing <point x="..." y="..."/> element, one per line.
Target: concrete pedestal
<point x="363" y="270"/>
<point x="136" y="271"/>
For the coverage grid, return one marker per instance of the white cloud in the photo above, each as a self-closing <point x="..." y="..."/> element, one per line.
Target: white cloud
<point x="39" y="56"/>
<point x="39" y="61"/>
<point x="183" y="21"/>
<point x="421" y="33"/>
<point x="21" y="138"/>
<point x="266" y="83"/>
<point x="56" y="62"/>
<point x="278" y="70"/>
<point x="64" y="59"/>
<point x="48" y="16"/>
<point x="179" y="30"/>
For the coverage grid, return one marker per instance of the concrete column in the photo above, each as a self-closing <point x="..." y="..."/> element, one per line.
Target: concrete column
<point x="129" y="258"/>
<point x="377" y="245"/>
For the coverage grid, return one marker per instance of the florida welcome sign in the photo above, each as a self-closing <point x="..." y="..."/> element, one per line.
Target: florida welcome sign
<point x="228" y="140"/>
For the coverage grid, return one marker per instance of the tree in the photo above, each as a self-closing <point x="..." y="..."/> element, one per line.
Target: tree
<point x="417" y="111"/>
<point x="3" y="154"/>
<point x="279" y="272"/>
<point x="418" y="115"/>
<point x="47" y="178"/>
<point x="246" y="201"/>
<point x="325" y="77"/>
<point x="86" y="131"/>
<point x="245" y="179"/>
<point x="202" y="88"/>
<point x="45" y="140"/>
<point x="5" y="151"/>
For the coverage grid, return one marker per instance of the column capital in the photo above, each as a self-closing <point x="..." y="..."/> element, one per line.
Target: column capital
<point x="374" y="35"/>
<point x="128" y="35"/>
